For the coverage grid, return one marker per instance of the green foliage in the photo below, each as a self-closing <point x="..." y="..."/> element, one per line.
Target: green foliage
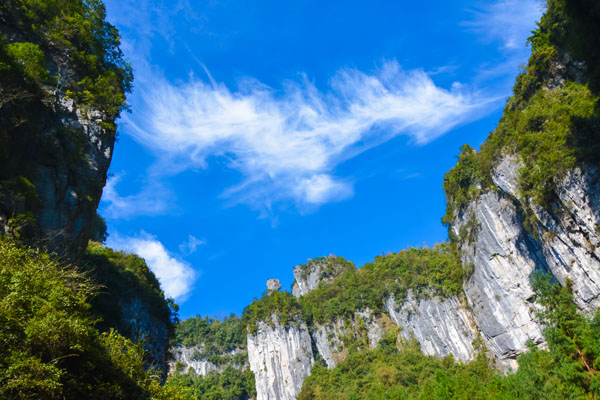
<point x="77" y="29"/>
<point x="31" y="57"/>
<point x="99" y="233"/>
<point x="231" y="384"/>
<point x="397" y="369"/>
<point x="426" y="272"/>
<point x="124" y="278"/>
<point x="462" y="183"/>
<point x="50" y="348"/>
<point x="216" y="338"/>
<point x="282" y="304"/>
<point x="328" y="266"/>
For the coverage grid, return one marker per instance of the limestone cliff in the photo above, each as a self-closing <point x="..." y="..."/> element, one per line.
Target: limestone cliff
<point x="57" y="117"/>
<point x="505" y="254"/>
<point x="500" y="251"/>
<point x="280" y="358"/>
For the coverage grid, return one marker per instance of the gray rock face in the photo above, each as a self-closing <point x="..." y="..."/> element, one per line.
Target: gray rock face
<point x="499" y="293"/>
<point x="143" y="328"/>
<point x="183" y="356"/>
<point x="273" y="285"/>
<point x="308" y="276"/>
<point x="327" y="337"/>
<point x="70" y="188"/>
<point x="570" y="236"/>
<point x="280" y="358"/>
<point x="442" y="326"/>
<point x="183" y="360"/>
<point x="504" y="254"/>
<point x="67" y="161"/>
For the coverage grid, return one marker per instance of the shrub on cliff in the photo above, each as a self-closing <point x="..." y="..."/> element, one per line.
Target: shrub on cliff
<point x="49" y="347"/>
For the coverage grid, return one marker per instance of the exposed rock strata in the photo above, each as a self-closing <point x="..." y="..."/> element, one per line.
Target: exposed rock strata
<point x="308" y="276"/>
<point x="442" y="326"/>
<point x="327" y="337"/>
<point x="498" y="305"/>
<point x="183" y="359"/>
<point x="280" y="358"/>
<point x="504" y="254"/>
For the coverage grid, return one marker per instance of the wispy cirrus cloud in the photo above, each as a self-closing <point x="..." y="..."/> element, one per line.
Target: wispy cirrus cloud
<point x="508" y="21"/>
<point x="190" y="246"/>
<point x="288" y="143"/>
<point x="176" y="277"/>
<point x="153" y="199"/>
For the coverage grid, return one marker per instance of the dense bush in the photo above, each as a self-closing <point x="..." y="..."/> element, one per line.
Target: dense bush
<point x="123" y="278"/>
<point x="282" y="304"/>
<point x="215" y="338"/>
<point x="49" y="346"/>
<point x="231" y="384"/>
<point x="73" y="33"/>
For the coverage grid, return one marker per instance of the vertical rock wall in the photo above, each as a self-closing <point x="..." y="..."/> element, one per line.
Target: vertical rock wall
<point x="280" y="358"/>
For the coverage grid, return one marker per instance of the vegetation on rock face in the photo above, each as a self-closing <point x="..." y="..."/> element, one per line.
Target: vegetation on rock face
<point x="397" y="369"/>
<point x="53" y="52"/>
<point x="552" y="122"/>
<point x="223" y="343"/>
<point x="282" y="304"/>
<point x="44" y="35"/>
<point x="123" y="278"/>
<point x="213" y="338"/>
<point x="426" y="272"/>
<point x="131" y="301"/>
<point x="328" y="266"/>
<point x="50" y="348"/>
<point x="231" y="384"/>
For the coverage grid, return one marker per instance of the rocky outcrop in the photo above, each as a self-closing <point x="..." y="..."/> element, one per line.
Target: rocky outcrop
<point x="71" y="174"/>
<point x="442" y="326"/>
<point x="308" y="276"/>
<point x="56" y="144"/>
<point x="503" y="240"/>
<point x="328" y="337"/>
<point x="504" y="254"/>
<point x="185" y="360"/>
<point x="273" y="285"/>
<point x="280" y="358"/>
<point x="570" y="235"/>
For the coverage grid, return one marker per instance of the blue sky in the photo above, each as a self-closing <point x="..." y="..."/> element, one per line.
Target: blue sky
<point x="264" y="133"/>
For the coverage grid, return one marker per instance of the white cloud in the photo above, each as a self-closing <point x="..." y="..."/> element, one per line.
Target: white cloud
<point x="153" y="199"/>
<point x="509" y="21"/>
<point x="288" y="143"/>
<point x="176" y="277"/>
<point x="191" y="245"/>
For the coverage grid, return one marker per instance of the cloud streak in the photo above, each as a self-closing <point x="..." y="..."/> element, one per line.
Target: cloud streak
<point x="507" y="21"/>
<point x="153" y="199"/>
<point x="176" y="277"/>
<point x="288" y="143"/>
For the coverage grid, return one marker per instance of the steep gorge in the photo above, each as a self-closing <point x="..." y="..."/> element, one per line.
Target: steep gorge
<point x="513" y="212"/>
